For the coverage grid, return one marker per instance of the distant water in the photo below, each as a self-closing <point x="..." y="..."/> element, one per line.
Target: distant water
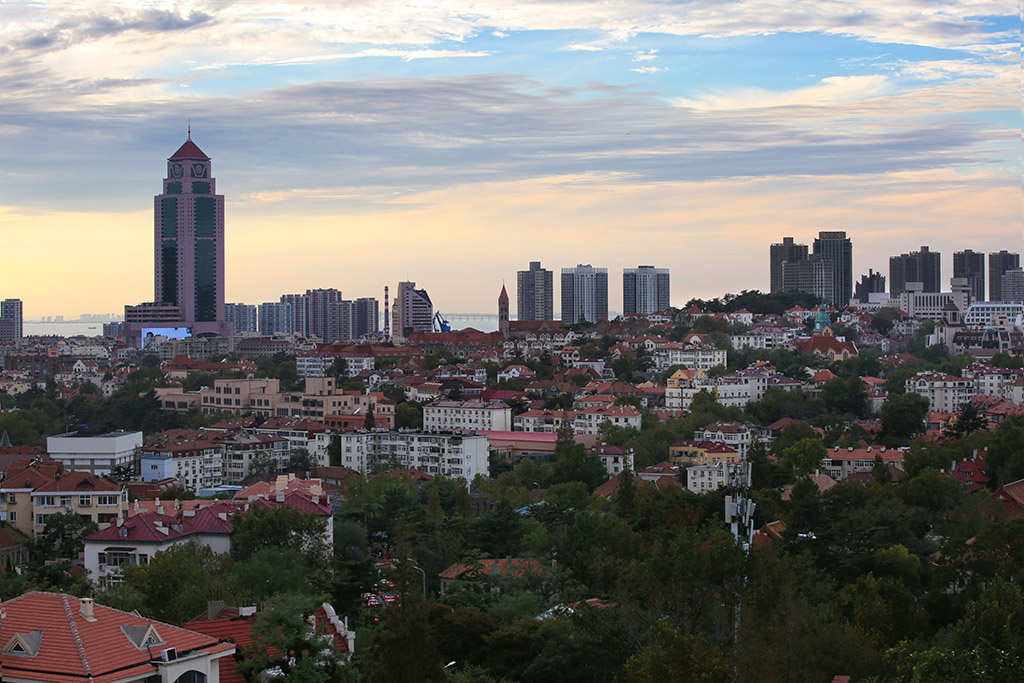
<point x="69" y="329"/>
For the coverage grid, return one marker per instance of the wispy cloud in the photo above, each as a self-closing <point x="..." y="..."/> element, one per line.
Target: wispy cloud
<point x="829" y="91"/>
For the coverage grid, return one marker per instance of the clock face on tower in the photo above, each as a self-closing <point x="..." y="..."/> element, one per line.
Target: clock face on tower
<point x="198" y="170"/>
<point x="177" y="170"/>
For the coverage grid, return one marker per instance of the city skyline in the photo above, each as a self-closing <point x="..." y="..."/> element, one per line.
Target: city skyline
<point x="402" y="145"/>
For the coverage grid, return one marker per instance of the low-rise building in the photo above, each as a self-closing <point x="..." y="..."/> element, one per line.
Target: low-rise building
<point x="53" y="637"/>
<point x="461" y="416"/>
<point x="839" y="463"/>
<point x="95" y="453"/>
<point x="447" y="455"/>
<point x="944" y="392"/>
<point x="589" y="420"/>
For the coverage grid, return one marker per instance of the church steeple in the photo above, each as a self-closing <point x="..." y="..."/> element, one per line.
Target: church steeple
<point x="503" y="311"/>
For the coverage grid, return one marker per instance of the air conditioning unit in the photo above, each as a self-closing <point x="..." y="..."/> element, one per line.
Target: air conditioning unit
<point x="169" y="655"/>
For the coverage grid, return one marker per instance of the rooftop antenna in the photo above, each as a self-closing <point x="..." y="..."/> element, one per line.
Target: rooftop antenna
<point x="190" y="128"/>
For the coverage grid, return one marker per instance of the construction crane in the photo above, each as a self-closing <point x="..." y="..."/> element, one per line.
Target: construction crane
<point x="440" y="324"/>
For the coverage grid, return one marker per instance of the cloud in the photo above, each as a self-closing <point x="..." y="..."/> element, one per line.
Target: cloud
<point x="404" y="55"/>
<point x="829" y="91"/>
<point x="649" y="69"/>
<point x="644" y="56"/>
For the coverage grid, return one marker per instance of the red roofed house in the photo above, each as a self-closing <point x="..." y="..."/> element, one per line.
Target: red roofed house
<point x="824" y="346"/>
<point x="56" y="638"/>
<point x="1007" y="502"/>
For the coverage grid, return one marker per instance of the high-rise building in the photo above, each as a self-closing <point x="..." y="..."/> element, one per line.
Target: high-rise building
<point x="11" y="320"/>
<point x="275" y="317"/>
<point x="297" y="306"/>
<point x="584" y="294"/>
<point x="1012" y="286"/>
<point x="782" y="252"/>
<point x="351" y="320"/>
<point x="645" y="289"/>
<point x="872" y="283"/>
<point x="971" y="265"/>
<point x="835" y="246"/>
<point x="998" y="263"/>
<point x="535" y="293"/>
<point x="414" y="311"/>
<point x="367" y="317"/>
<point x="189" y="222"/>
<point x="922" y="266"/>
<point x="241" y="316"/>
<point x="318" y="303"/>
<point x="815" y="275"/>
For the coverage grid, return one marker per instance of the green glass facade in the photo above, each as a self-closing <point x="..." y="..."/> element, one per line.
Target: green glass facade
<point x="206" y="212"/>
<point x="206" y="279"/>
<point x="169" y="271"/>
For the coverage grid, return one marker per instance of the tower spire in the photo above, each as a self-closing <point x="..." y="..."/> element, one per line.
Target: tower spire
<point x="190" y="128"/>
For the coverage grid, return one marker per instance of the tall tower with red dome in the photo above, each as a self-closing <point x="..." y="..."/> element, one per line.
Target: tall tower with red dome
<point x="189" y="226"/>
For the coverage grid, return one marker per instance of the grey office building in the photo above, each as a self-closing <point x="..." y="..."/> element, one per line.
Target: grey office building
<point x="645" y="289"/>
<point x="535" y="293"/>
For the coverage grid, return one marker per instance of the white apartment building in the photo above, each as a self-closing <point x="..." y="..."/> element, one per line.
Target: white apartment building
<point x="447" y="455"/>
<point x="734" y="389"/>
<point x="462" y="416"/>
<point x="95" y="453"/>
<point x="764" y="338"/>
<point x="711" y="476"/>
<point x="738" y="435"/>
<point x="944" y="392"/>
<point x="542" y="421"/>
<point x="692" y="356"/>
<point x="588" y="420"/>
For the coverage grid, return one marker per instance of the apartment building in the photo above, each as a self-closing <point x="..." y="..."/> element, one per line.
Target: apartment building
<point x="95" y="453"/>
<point x="944" y="392"/>
<point x="693" y="356"/>
<point x="447" y="455"/>
<point x="447" y="416"/>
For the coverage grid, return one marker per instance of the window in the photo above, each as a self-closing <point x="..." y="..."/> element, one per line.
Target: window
<point x="12" y="516"/>
<point x="41" y="520"/>
<point x="106" y="500"/>
<point x="65" y="501"/>
<point x="47" y="501"/>
<point x="12" y="499"/>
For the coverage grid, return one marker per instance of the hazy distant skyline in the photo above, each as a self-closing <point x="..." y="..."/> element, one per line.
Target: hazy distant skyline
<point x="450" y="143"/>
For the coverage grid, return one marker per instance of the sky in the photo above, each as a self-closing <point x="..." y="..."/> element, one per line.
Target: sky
<point x="360" y="143"/>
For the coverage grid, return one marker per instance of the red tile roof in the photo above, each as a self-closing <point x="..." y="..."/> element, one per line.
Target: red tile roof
<point x="189" y="150"/>
<point x="73" y="649"/>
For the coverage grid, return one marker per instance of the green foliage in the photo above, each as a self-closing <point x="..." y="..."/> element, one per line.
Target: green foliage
<point x="902" y="417"/>
<point x="282" y="527"/>
<point x="62" y="536"/>
<point x="675" y="656"/>
<point x="805" y="456"/>
<point x="1006" y="450"/>
<point x="282" y="638"/>
<point x="176" y="584"/>
<point x="846" y="396"/>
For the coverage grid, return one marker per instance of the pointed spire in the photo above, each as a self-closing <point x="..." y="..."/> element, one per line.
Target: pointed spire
<point x="190" y="128"/>
<point x="5" y="441"/>
<point x="503" y="297"/>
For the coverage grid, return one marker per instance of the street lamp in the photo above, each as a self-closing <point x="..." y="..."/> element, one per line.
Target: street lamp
<point x="409" y="559"/>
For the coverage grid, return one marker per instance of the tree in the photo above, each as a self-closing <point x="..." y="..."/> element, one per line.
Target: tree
<point x="177" y="583"/>
<point x="805" y="456"/>
<point x="62" y="536"/>
<point x="284" y="638"/>
<point x="903" y="416"/>
<point x="280" y="526"/>
<point x="371" y="421"/>
<point x="263" y="464"/>
<point x="969" y="421"/>
<point x="270" y="571"/>
<point x="675" y="656"/>
<point x="300" y="460"/>
<point x="578" y="465"/>
<point x="845" y="396"/>
<point x="1005" y="454"/>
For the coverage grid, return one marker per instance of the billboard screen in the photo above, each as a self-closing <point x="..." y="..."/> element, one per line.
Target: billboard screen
<point x="151" y="334"/>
